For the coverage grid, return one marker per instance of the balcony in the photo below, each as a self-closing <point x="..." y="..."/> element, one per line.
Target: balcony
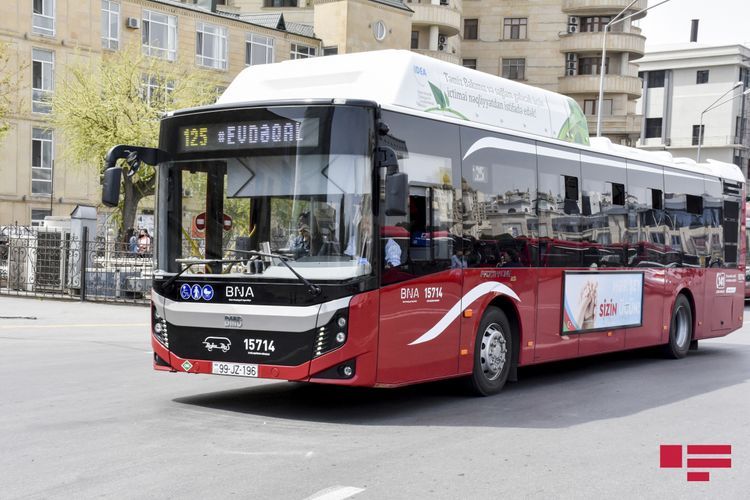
<point x="439" y="54"/>
<point x="589" y="84"/>
<point x="627" y="125"/>
<point x="597" y="7"/>
<point x="445" y="17"/>
<point x="592" y="42"/>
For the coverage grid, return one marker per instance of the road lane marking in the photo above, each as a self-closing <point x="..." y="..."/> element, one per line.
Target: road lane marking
<point x="336" y="493"/>
<point x="74" y="325"/>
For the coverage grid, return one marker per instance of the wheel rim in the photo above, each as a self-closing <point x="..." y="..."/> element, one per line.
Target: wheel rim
<point x="682" y="326"/>
<point x="493" y="352"/>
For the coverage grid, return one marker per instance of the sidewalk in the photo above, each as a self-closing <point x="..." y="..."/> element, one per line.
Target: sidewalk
<point x="17" y="311"/>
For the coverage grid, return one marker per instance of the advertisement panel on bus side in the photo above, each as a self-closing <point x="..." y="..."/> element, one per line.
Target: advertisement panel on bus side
<point x="598" y="301"/>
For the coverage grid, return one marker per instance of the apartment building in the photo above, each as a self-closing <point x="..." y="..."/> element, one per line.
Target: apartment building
<point x="694" y="94"/>
<point x="557" y="45"/>
<point x="45" y="36"/>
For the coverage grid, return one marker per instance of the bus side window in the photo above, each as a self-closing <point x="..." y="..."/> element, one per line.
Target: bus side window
<point x="558" y="207"/>
<point x="499" y="182"/>
<point x="570" y="188"/>
<point x="428" y="152"/>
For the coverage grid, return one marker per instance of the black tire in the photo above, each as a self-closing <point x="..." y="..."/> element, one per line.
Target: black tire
<point x="493" y="353"/>
<point x="680" y="329"/>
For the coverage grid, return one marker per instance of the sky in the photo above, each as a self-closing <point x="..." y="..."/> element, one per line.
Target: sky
<point x="721" y="21"/>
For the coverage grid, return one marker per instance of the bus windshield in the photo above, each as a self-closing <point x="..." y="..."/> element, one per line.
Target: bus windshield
<point x="311" y="206"/>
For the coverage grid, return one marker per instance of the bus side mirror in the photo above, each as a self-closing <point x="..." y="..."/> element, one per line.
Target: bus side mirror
<point x="396" y="194"/>
<point x="111" y="186"/>
<point x="396" y="183"/>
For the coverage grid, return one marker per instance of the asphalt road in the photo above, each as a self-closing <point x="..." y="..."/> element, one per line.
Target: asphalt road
<point x="83" y="415"/>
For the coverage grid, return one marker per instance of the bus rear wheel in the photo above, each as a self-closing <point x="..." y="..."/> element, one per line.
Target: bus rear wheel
<point x="680" y="329"/>
<point x="493" y="353"/>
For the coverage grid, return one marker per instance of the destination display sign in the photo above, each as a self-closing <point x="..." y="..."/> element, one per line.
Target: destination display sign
<point x="261" y="134"/>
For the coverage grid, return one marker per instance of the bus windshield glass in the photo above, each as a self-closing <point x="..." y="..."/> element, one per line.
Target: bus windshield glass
<point x="306" y="199"/>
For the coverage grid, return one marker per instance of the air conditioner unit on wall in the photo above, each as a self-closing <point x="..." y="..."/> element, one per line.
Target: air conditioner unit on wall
<point x="134" y="23"/>
<point x="571" y="57"/>
<point x="441" y="39"/>
<point x="572" y="24"/>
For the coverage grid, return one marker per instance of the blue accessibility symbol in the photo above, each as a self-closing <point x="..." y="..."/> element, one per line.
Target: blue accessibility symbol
<point x="208" y="292"/>
<point x="196" y="293"/>
<point x="185" y="291"/>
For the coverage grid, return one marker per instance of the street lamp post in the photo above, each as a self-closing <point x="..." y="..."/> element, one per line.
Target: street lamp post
<point x="617" y="19"/>
<point x="712" y="106"/>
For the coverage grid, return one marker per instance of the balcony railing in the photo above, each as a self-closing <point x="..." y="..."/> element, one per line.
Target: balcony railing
<point x="594" y="7"/>
<point x="592" y="42"/>
<point x="445" y="17"/>
<point x="443" y="55"/>
<point x="589" y="84"/>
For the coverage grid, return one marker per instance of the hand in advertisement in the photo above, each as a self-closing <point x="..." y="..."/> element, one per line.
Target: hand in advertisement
<point x="587" y="309"/>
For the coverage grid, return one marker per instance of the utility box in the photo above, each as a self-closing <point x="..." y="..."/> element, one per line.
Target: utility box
<point x="82" y="227"/>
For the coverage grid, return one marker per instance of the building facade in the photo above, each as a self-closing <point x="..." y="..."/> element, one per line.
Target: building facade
<point x="557" y="45"/>
<point x="553" y="44"/>
<point x="44" y="36"/>
<point x="691" y="95"/>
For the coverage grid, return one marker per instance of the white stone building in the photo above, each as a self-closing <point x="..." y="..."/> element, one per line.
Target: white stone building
<point x="680" y="83"/>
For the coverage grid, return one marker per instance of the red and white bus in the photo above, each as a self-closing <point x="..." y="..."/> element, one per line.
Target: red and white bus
<point x="382" y="219"/>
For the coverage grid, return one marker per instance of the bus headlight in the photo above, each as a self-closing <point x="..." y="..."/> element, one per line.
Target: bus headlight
<point x="332" y="335"/>
<point x="159" y="327"/>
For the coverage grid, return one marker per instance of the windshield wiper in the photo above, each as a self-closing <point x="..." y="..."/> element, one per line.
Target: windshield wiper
<point x="192" y="262"/>
<point x="314" y="289"/>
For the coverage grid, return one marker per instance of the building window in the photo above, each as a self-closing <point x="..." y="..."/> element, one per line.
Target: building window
<point x="42" y="79"/>
<point x="655" y="79"/>
<point x="469" y="63"/>
<point x="38" y="215"/>
<point x="415" y="39"/>
<point x="514" y="69"/>
<point x="211" y="46"/>
<point x="653" y="127"/>
<point x="592" y="65"/>
<point x="699" y="136"/>
<point x="595" y="23"/>
<point x="589" y="107"/>
<point x="514" y="28"/>
<point x="471" y="29"/>
<point x="43" y="18"/>
<point x="110" y="24"/>
<point x="159" y="35"/>
<point x="279" y="3"/>
<point x="701" y="76"/>
<point x="258" y="49"/>
<point x="41" y="161"/>
<point x="156" y="91"/>
<point x="301" y="51"/>
<point x="331" y="51"/>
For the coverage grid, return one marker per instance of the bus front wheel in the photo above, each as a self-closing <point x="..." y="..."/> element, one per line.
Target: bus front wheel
<point x="680" y="329"/>
<point x="493" y="353"/>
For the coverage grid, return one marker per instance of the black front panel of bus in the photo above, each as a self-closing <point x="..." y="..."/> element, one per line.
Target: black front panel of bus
<point x="235" y="291"/>
<point x="220" y="344"/>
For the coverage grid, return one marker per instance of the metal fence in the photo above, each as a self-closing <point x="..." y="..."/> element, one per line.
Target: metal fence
<point x="40" y="262"/>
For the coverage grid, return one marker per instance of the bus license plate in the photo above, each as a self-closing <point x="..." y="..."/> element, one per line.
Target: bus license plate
<point x="234" y="369"/>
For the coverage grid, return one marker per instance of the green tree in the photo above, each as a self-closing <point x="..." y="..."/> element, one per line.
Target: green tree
<point x="119" y="98"/>
<point x="8" y="87"/>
